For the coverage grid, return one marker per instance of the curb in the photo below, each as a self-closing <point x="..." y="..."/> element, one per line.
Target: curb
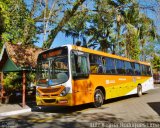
<point x="15" y="112"/>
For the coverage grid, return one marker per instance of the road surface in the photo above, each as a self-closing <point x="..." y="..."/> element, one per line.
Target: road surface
<point x="120" y="112"/>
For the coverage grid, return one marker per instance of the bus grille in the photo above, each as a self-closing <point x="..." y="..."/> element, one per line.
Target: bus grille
<point x="49" y="100"/>
<point x="51" y="90"/>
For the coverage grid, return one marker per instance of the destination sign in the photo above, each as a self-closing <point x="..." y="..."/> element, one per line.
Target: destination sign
<point x="52" y="53"/>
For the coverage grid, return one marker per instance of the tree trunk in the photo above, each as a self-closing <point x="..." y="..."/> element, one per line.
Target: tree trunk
<point x="65" y="19"/>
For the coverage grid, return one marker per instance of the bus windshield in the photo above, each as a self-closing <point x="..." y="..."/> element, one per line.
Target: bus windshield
<point x="53" y="70"/>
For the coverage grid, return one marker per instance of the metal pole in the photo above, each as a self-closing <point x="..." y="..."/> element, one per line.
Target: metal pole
<point x="24" y="89"/>
<point x="2" y="84"/>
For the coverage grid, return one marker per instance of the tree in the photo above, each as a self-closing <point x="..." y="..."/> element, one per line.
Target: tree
<point x="16" y="18"/>
<point x="106" y="24"/>
<point x="99" y="28"/>
<point x="1" y="27"/>
<point x="23" y="22"/>
<point x="76" y="25"/>
<point x="132" y="44"/>
<point x="136" y="28"/>
<point x="67" y="15"/>
<point x="151" y="49"/>
<point x="117" y="25"/>
<point x="147" y="33"/>
<point x="156" y="61"/>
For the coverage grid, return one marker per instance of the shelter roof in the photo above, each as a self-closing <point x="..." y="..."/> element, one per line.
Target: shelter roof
<point x="15" y="57"/>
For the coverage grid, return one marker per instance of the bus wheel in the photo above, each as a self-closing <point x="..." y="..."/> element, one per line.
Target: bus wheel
<point x="98" y="98"/>
<point x="139" y="90"/>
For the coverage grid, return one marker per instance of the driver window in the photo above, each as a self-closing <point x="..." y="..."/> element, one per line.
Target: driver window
<point x="79" y="64"/>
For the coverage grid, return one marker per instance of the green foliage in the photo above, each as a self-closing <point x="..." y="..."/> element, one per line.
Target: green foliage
<point x="19" y="26"/>
<point x="156" y="61"/>
<point x="116" y="26"/>
<point x="76" y="25"/>
<point x="105" y="24"/>
<point x="13" y="80"/>
<point x="1" y="24"/>
<point x="132" y="46"/>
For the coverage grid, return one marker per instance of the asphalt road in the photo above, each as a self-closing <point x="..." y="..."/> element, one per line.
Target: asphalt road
<point x="120" y="112"/>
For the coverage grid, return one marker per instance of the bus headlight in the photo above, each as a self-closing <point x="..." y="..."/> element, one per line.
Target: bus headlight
<point x="65" y="91"/>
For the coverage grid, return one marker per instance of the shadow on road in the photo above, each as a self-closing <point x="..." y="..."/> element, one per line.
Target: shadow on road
<point x="70" y="117"/>
<point x="67" y="109"/>
<point x="62" y="117"/>
<point x="155" y="106"/>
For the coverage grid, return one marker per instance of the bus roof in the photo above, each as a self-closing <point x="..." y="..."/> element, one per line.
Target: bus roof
<point x="106" y="54"/>
<point x="97" y="53"/>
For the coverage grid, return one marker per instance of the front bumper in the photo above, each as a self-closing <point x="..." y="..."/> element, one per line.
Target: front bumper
<point x="55" y="101"/>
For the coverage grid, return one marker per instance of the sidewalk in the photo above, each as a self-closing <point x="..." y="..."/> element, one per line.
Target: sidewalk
<point x="156" y="85"/>
<point x="12" y="109"/>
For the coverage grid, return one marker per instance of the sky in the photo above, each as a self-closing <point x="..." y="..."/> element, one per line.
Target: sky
<point x="150" y="13"/>
<point x="60" y="40"/>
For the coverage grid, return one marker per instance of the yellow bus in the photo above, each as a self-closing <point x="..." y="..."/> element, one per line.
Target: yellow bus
<point x="73" y="75"/>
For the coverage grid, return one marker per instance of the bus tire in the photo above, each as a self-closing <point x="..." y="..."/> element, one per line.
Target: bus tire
<point x="139" y="90"/>
<point x="98" y="98"/>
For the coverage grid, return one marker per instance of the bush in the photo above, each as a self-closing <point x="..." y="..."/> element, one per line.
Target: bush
<point x="13" y="81"/>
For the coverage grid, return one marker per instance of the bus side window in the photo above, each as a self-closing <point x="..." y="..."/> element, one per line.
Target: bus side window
<point x="133" y="67"/>
<point x="97" y="64"/>
<point x="81" y="64"/>
<point x="73" y="67"/>
<point x="137" y="69"/>
<point x="128" y="68"/>
<point x="110" y="66"/>
<point x="77" y="64"/>
<point x="143" y="70"/>
<point x="93" y="63"/>
<point x="148" y="70"/>
<point x="102" y="65"/>
<point x="145" y="67"/>
<point x="120" y="67"/>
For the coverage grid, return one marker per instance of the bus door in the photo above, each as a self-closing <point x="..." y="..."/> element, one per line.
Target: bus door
<point x="80" y="76"/>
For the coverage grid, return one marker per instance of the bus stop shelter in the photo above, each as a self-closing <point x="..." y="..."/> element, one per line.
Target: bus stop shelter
<point x="17" y="58"/>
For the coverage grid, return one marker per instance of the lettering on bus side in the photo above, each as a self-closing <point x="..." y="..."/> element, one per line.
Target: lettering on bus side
<point x="110" y="81"/>
<point x="122" y="79"/>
